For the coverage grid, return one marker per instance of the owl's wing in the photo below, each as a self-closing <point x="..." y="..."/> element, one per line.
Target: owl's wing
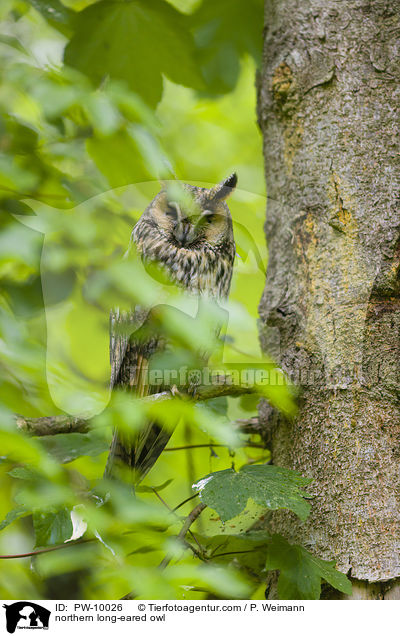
<point x="132" y="343"/>
<point x="134" y="340"/>
<point x="123" y="324"/>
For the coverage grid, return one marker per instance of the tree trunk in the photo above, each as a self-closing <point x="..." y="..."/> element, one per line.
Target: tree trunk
<point x="330" y="312"/>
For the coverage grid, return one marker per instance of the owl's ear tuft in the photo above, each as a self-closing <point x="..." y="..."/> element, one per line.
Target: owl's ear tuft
<point x="231" y="181"/>
<point x="222" y="190"/>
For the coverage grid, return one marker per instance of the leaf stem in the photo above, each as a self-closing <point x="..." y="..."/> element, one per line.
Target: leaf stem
<point x="245" y="445"/>
<point x="185" y="501"/>
<point x="43" y="550"/>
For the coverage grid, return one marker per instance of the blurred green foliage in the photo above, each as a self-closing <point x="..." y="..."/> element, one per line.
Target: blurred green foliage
<point x="98" y="101"/>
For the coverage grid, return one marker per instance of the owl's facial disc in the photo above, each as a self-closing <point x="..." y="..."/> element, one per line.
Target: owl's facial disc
<point x="184" y="227"/>
<point x="190" y="229"/>
<point x="196" y="219"/>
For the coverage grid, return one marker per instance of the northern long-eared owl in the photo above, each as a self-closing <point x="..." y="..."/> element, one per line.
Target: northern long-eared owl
<point x="192" y="240"/>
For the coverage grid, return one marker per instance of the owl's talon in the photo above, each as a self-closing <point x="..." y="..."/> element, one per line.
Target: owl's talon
<point x="193" y="391"/>
<point x="175" y="391"/>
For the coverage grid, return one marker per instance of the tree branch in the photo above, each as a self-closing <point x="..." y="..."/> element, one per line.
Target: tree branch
<point x="51" y="425"/>
<point x="44" y="550"/>
<point x="196" y="512"/>
<point x="56" y="424"/>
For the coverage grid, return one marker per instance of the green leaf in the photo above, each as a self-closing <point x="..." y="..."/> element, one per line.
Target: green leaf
<point x="13" y="515"/>
<point x="18" y="448"/>
<point x="248" y="549"/>
<point x="67" y="447"/>
<point x="301" y="572"/>
<point x="135" y="42"/>
<point x="52" y="527"/>
<point x="128" y="156"/>
<point x="224" y="31"/>
<point x="56" y="14"/>
<point x="118" y="158"/>
<point x="228" y="491"/>
<point x="14" y="177"/>
<point x="21" y="472"/>
<point x="219" y="406"/>
<point x="17" y="207"/>
<point x="12" y="41"/>
<point x="142" y="488"/>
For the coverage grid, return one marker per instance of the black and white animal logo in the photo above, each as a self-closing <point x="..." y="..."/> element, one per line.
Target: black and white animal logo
<point x="26" y="615"/>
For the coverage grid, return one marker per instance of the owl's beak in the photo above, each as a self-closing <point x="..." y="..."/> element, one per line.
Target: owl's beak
<point x="184" y="233"/>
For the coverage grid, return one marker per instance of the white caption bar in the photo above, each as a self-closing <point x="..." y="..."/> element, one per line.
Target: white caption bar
<point x="155" y="617"/>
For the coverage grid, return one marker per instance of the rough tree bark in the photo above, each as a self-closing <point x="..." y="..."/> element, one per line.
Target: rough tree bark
<point x="328" y="97"/>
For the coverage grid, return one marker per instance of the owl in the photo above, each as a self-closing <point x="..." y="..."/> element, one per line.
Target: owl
<point x="192" y="241"/>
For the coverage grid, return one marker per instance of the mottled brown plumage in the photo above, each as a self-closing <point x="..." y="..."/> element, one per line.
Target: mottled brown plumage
<point x="192" y="240"/>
